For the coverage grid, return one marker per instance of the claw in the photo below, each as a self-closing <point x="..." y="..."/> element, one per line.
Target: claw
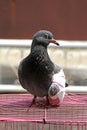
<point x="33" y="101"/>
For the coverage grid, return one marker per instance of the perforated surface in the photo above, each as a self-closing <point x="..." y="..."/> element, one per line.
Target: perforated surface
<point x="14" y="107"/>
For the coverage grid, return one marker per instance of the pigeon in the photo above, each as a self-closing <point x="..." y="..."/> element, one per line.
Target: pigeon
<point x="36" y="71"/>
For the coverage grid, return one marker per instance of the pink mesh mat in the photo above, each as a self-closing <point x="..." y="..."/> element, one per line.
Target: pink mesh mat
<point x="72" y="113"/>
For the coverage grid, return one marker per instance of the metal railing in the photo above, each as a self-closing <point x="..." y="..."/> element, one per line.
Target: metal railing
<point x="27" y="43"/>
<point x="19" y="89"/>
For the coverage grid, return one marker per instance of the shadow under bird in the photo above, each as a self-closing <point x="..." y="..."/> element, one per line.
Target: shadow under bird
<point x="36" y="70"/>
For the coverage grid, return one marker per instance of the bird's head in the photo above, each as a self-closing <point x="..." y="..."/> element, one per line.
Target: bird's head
<point x="44" y="38"/>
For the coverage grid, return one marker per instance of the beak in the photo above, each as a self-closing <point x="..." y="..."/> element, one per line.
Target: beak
<point x="54" y="41"/>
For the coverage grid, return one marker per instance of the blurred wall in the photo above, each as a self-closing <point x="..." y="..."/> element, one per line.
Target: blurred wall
<point x="67" y="19"/>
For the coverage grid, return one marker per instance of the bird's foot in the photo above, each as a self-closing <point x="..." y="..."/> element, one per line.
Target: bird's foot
<point x="43" y="103"/>
<point x="40" y="103"/>
<point x="47" y="103"/>
<point x="32" y="103"/>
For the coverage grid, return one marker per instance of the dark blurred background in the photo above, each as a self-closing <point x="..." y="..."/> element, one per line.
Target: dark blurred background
<point x="20" y="19"/>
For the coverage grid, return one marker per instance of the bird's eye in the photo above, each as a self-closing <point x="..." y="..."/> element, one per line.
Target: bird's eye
<point x="46" y="36"/>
